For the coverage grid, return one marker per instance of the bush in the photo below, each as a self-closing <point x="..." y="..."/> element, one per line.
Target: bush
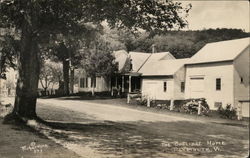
<point x="141" y="101"/>
<point x="227" y="112"/>
<point x="191" y="106"/>
<point x="5" y="109"/>
<point x="163" y="104"/>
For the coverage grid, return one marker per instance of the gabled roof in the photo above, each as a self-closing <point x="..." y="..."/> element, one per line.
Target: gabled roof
<point x="220" y="51"/>
<point x="121" y="57"/>
<point x="163" y="67"/>
<point x="139" y="58"/>
<point x="160" y="56"/>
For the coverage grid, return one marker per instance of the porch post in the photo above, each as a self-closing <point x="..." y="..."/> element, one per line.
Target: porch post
<point x="116" y="82"/>
<point x="128" y="99"/>
<point x="129" y="83"/>
<point x="111" y="88"/>
<point x="122" y="83"/>
<point x="109" y="84"/>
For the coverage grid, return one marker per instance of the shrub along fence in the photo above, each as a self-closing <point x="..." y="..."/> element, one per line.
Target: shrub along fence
<point x="193" y="106"/>
<point x="197" y="106"/>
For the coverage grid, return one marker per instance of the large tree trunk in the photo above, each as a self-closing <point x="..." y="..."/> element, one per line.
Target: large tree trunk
<point x="66" y="77"/>
<point x="72" y="75"/>
<point x="27" y="83"/>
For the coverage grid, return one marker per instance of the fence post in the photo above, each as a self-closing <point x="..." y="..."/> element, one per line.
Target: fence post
<point x="239" y="111"/>
<point x="112" y="92"/>
<point x="148" y="102"/>
<point x="171" y="104"/>
<point x="199" y="107"/>
<point x="128" y="99"/>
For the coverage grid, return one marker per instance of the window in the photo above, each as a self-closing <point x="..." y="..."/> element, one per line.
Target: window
<point x="182" y="86"/>
<point x="164" y="86"/>
<point x="217" y="104"/>
<point x="218" y="84"/>
<point x="241" y="80"/>
<point x="93" y="82"/>
<point x="86" y="80"/>
<point x="81" y="82"/>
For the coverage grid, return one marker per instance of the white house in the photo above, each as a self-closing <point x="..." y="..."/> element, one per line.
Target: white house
<point x="127" y="80"/>
<point x="138" y="61"/>
<point x="8" y="85"/>
<point x="164" y="79"/>
<point x="219" y="72"/>
<point x="101" y="84"/>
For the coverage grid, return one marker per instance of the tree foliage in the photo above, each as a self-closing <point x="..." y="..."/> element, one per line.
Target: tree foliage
<point x="181" y="44"/>
<point x="39" y="20"/>
<point x="9" y="47"/>
<point x="51" y="73"/>
<point x="98" y="59"/>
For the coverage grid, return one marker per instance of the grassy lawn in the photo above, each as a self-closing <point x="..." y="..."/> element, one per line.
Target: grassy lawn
<point x="20" y="141"/>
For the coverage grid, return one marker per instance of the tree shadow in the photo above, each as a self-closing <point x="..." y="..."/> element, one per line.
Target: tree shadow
<point x="233" y="124"/>
<point x="83" y="97"/>
<point x="141" y="138"/>
<point x="146" y="139"/>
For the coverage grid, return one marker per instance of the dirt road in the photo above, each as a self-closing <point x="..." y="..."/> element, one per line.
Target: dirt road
<point x="99" y="130"/>
<point x="107" y="112"/>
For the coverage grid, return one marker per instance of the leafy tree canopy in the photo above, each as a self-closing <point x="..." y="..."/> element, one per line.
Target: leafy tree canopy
<point x="39" y="20"/>
<point x="98" y="59"/>
<point x="51" y="73"/>
<point x="181" y="44"/>
<point x="9" y="47"/>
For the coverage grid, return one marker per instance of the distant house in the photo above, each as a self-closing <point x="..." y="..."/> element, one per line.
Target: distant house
<point x="219" y="72"/>
<point x="100" y="83"/>
<point x="86" y="84"/>
<point x="8" y="85"/>
<point x="128" y="78"/>
<point x="138" y="60"/>
<point x="164" y="79"/>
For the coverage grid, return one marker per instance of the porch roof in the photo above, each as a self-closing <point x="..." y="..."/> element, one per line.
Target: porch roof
<point x="132" y="74"/>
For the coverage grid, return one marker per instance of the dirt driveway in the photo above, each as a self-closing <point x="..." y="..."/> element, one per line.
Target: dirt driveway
<point x="105" y="130"/>
<point x="93" y="129"/>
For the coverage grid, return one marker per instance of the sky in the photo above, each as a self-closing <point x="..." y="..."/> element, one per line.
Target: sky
<point x="218" y="14"/>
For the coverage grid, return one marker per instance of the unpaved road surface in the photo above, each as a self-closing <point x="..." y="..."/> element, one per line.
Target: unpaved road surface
<point x="105" y="112"/>
<point x="100" y="130"/>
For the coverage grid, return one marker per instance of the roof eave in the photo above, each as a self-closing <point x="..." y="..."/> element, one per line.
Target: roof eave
<point x="157" y="75"/>
<point x="210" y="62"/>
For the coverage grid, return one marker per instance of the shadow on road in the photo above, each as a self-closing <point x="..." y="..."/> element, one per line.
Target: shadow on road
<point x="152" y="139"/>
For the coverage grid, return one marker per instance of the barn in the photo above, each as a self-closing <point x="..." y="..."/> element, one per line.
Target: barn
<point x="219" y="72"/>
